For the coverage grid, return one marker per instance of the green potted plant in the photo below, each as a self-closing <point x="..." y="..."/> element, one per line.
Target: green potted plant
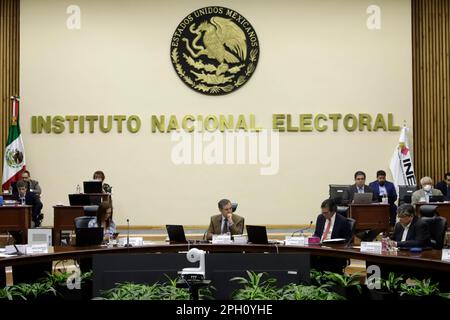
<point x="10" y="293"/>
<point x="301" y="292"/>
<point x="255" y="288"/>
<point x="390" y="288"/>
<point x="132" y="291"/>
<point x="170" y="291"/>
<point x="35" y="291"/>
<point x="348" y="286"/>
<point x="420" y="290"/>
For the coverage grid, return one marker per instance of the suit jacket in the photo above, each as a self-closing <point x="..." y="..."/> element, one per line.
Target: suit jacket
<point x="390" y="188"/>
<point x="417" y="195"/>
<point x="216" y="224"/>
<point x="341" y="228"/>
<point x="418" y="234"/>
<point x="444" y="189"/>
<point x="347" y="198"/>
<point x="31" y="199"/>
<point x="32" y="185"/>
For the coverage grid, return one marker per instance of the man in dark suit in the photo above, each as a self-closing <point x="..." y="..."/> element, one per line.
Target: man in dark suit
<point x="226" y="221"/>
<point x="330" y="225"/>
<point x="383" y="188"/>
<point x="410" y="231"/>
<point x="444" y="186"/>
<point x="359" y="187"/>
<point x="24" y="197"/>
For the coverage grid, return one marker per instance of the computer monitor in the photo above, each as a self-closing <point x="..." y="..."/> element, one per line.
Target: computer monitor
<point x="257" y="234"/>
<point x="434" y="199"/>
<point x="176" y="233"/>
<point x="92" y="187"/>
<point x="89" y="237"/>
<point x="405" y="193"/>
<point x="78" y="199"/>
<point x="337" y="192"/>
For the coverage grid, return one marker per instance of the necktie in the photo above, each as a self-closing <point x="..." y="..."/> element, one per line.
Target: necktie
<point x="224" y="226"/>
<point x="327" y="229"/>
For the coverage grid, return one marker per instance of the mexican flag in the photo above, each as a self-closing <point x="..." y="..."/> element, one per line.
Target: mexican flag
<point x="14" y="159"/>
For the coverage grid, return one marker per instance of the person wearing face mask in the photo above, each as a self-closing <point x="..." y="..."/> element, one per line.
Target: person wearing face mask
<point x="385" y="190"/>
<point x="423" y="195"/>
<point x="100" y="176"/>
<point x="410" y="231"/>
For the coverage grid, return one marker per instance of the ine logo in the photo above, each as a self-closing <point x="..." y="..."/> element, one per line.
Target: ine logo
<point x="214" y="50"/>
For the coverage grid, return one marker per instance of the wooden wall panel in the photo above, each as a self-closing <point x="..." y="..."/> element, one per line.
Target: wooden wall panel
<point x="431" y="87"/>
<point x="9" y="65"/>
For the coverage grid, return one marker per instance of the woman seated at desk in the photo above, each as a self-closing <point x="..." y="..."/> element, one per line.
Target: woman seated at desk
<point x="100" y="176"/>
<point x="104" y="220"/>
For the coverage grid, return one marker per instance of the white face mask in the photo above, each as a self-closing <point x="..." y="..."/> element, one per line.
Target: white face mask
<point x="427" y="187"/>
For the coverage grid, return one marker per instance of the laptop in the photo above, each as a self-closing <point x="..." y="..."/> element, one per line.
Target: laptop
<point x="436" y="199"/>
<point x="176" y="233"/>
<point x="362" y="198"/>
<point x="92" y="187"/>
<point x="78" y="199"/>
<point x="257" y="234"/>
<point x="89" y="237"/>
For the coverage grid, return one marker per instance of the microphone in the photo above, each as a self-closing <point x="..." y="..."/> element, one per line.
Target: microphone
<point x="18" y="252"/>
<point x="128" y="234"/>
<point x="301" y="230"/>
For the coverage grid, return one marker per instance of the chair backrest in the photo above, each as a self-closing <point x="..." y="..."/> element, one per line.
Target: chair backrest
<point x="82" y="222"/>
<point x="234" y="206"/>
<point x="90" y="210"/>
<point x="428" y="210"/>
<point x="352" y="224"/>
<point x="342" y="210"/>
<point x="437" y="227"/>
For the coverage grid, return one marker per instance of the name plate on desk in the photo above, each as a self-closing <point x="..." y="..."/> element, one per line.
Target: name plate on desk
<point x="371" y="247"/>
<point x="221" y="239"/>
<point x="446" y="255"/>
<point x="134" y="241"/>
<point x="240" y="239"/>
<point x="37" y="249"/>
<point x="295" y="241"/>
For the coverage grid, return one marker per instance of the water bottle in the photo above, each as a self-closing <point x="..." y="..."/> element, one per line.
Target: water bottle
<point x="78" y="188"/>
<point x="385" y="198"/>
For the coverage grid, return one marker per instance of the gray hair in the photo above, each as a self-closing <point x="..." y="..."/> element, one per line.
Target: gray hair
<point x="426" y="180"/>
<point x="406" y="209"/>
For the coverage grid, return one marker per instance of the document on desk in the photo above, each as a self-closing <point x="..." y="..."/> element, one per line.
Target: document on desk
<point x="446" y="255"/>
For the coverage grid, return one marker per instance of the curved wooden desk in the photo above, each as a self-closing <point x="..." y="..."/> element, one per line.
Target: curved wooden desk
<point x="428" y="259"/>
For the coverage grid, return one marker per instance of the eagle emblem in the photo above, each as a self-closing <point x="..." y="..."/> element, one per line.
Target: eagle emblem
<point x="214" y="50"/>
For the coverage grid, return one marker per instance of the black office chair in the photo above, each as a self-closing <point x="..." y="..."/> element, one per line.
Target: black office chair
<point x="342" y="210"/>
<point x="352" y="224"/>
<point x="90" y="210"/>
<point x="82" y="222"/>
<point x="437" y="227"/>
<point x="428" y="210"/>
<point x="234" y="206"/>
